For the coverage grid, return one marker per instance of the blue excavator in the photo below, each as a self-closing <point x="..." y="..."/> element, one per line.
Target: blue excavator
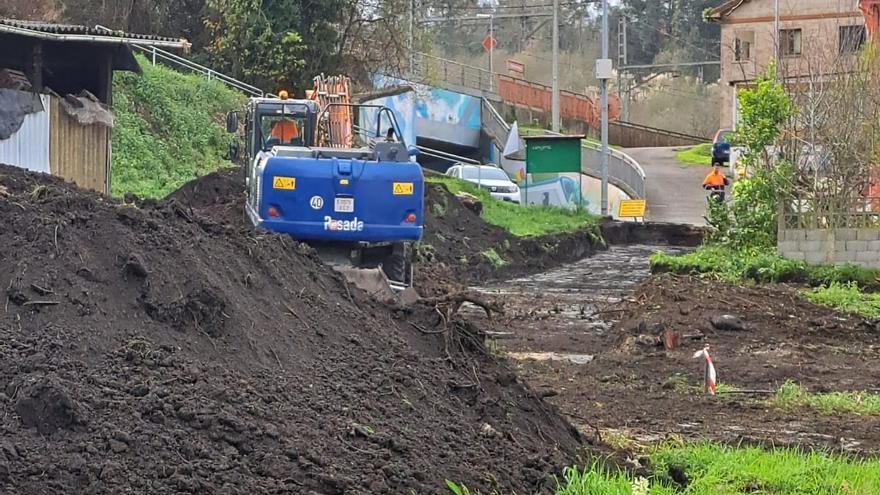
<point x="338" y="176"/>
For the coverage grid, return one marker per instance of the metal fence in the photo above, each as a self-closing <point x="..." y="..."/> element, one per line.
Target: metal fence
<point x="158" y="55"/>
<point x="493" y="123"/>
<point x="798" y="213"/>
<point x="623" y="171"/>
<point x="435" y="71"/>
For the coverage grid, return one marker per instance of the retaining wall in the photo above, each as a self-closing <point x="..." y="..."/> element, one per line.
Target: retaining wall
<point x="836" y="247"/>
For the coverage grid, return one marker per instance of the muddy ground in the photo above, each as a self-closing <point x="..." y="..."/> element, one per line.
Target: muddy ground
<point x="455" y="238"/>
<point x="588" y="337"/>
<point x="167" y="347"/>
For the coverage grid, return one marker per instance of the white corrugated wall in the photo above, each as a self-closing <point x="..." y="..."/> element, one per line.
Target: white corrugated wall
<point x="29" y="147"/>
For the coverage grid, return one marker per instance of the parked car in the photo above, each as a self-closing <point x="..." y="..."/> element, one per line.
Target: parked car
<point x="721" y="147"/>
<point x="487" y="177"/>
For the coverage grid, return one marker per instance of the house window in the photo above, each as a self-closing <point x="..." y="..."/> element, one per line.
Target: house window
<point x="790" y="42"/>
<point x="742" y="49"/>
<point x="851" y="38"/>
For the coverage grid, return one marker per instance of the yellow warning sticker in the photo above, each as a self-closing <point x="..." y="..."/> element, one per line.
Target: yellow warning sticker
<point x="284" y="183"/>
<point x="402" y="188"/>
<point x="632" y="208"/>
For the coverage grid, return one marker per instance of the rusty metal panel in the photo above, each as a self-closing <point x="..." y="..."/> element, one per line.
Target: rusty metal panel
<point x="78" y="153"/>
<point x="29" y="146"/>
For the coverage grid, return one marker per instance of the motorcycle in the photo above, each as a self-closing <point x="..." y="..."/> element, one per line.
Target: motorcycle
<point x="716" y="194"/>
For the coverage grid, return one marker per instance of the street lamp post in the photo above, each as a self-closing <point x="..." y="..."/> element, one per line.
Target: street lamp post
<point x="604" y="74"/>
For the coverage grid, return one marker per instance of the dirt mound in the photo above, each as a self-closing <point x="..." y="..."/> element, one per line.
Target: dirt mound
<point x="166" y="347"/>
<point x="653" y="233"/>
<point x="457" y="240"/>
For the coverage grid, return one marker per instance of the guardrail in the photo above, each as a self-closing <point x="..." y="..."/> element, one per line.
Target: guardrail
<point x="676" y="134"/>
<point x="493" y="123"/>
<point x="432" y="70"/>
<point x="156" y="54"/>
<point x="623" y="171"/>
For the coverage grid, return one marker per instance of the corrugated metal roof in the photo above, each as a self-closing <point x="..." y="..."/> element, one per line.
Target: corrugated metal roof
<point x="96" y="32"/>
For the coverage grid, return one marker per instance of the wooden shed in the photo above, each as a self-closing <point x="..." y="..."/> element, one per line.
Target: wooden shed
<point x="56" y="88"/>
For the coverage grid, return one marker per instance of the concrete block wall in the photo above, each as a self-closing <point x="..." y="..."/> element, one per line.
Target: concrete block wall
<point x="832" y="247"/>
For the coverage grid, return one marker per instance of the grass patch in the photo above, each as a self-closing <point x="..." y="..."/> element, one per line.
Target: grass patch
<point x="700" y="154"/>
<point x="759" y="266"/>
<point x="846" y="297"/>
<point x="791" y="396"/>
<point x="169" y="129"/>
<point x="519" y="220"/>
<point x="493" y="257"/>
<point x="712" y="469"/>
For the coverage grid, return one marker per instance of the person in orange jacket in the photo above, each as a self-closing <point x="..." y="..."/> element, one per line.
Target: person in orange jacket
<point x="285" y="130"/>
<point x="716" y="182"/>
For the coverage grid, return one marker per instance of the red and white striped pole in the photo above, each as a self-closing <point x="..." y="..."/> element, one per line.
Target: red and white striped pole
<point x="709" y="375"/>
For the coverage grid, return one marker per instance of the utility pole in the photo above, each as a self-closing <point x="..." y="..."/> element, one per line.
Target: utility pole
<point x="491" y="50"/>
<point x="622" y="80"/>
<point x="776" y="36"/>
<point x="603" y="69"/>
<point x="412" y="56"/>
<point x="554" y="107"/>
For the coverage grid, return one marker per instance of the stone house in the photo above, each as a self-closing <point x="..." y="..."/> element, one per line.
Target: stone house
<point x="815" y="38"/>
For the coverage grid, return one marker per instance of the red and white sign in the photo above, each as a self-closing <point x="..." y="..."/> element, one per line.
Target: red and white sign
<point x="489" y="42"/>
<point x="517" y="67"/>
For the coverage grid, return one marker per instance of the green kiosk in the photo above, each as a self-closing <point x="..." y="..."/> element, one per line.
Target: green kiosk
<point x="554" y="154"/>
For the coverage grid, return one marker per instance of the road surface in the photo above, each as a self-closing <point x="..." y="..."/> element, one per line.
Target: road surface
<point x="673" y="189"/>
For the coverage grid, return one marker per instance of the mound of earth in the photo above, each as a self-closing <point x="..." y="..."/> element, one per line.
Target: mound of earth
<point x="456" y="239"/>
<point x="166" y="347"/>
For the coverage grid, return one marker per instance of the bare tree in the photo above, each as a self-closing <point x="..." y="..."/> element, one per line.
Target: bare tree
<point x="831" y="140"/>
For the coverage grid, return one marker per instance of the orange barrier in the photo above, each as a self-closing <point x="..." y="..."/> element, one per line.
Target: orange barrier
<point x="537" y="97"/>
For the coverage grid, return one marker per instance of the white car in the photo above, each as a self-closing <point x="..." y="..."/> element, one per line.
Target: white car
<point x="487" y="177"/>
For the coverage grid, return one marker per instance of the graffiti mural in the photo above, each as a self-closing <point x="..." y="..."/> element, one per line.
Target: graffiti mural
<point x="439" y="115"/>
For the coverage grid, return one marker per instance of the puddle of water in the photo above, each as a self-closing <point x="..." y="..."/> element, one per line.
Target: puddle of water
<point x="552" y="356"/>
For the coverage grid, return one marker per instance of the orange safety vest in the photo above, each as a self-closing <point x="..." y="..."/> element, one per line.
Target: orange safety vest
<point x="285" y="130"/>
<point x="714" y="179"/>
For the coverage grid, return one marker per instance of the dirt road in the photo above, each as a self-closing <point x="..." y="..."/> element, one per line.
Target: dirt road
<point x="673" y="189"/>
<point x="602" y="363"/>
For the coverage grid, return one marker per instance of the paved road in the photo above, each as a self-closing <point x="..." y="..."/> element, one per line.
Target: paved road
<point x="674" y="190"/>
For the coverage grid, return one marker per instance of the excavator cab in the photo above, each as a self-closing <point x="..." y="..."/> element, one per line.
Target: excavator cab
<point x="318" y="172"/>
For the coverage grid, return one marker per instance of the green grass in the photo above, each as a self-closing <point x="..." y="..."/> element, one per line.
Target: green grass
<point x="522" y="221"/>
<point x="700" y="154"/>
<point x="713" y="469"/>
<point x="846" y="297"/>
<point x="494" y="258"/>
<point x="759" y="266"/>
<point x="169" y="129"/>
<point x="791" y="396"/>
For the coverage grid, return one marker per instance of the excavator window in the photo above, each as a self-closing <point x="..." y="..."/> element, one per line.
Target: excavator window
<point x="278" y="129"/>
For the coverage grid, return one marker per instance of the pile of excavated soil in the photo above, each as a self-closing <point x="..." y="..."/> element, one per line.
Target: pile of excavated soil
<point x="456" y="238"/>
<point x="166" y="347"/>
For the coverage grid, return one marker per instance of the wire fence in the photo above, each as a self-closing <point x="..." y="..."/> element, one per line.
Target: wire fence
<point x="861" y="212"/>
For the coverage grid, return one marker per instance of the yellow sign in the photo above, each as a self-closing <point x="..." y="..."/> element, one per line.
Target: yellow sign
<point x="284" y="183"/>
<point x="402" y="188"/>
<point x="343" y="182"/>
<point x="632" y="208"/>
